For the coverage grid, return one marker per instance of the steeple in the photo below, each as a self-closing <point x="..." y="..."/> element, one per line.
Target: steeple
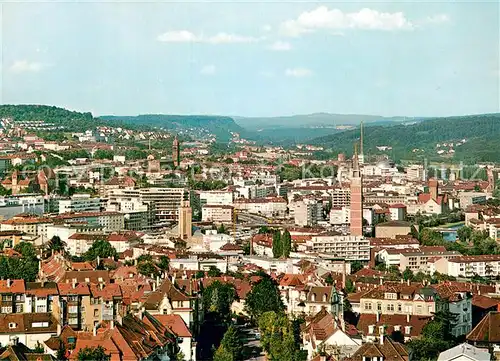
<point x="355" y="163"/>
<point x="361" y="151"/>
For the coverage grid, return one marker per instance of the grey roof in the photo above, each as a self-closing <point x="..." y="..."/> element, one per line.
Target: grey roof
<point x="465" y="350"/>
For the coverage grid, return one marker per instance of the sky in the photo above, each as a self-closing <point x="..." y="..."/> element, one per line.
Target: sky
<point x="253" y="58"/>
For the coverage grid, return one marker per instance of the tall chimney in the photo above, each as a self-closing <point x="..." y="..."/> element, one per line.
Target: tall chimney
<point x="8" y="282"/>
<point x="378" y="317"/>
<point x="381" y="339"/>
<point x="94" y="330"/>
<point x="407" y="318"/>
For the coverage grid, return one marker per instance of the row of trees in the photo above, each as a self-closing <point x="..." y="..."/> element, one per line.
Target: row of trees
<point x="282" y="244"/>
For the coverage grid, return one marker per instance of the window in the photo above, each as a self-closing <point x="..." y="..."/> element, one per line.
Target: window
<point x="368" y="305"/>
<point x="19" y="308"/>
<point x="400" y="307"/>
<point x="407" y="330"/>
<point x="12" y="325"/>
<point x="379" y="306"/>
<point x="390" y="307"/>
<point x="6" y="309"/>
<point x="96" y="313"/>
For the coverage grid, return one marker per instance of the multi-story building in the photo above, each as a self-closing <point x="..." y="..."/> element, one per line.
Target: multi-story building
<point x="36" y="226"/>
<point x="74" y="303"/>
<point x="351" y="248"/>
<point x="80" y="203"/>
<point x="12" y="296"/>
<point x="415" y="172"/>
<point x="269" y="207"/>
<point x="165" y="201"/>
<point x="417" y="261"/>
<point x="469" y="266"/>
<point x="308" y="212"/>
<point x="215" y="197"/>
<point x="341" y="197"/>
<point x="108" y="221"/>
<point x="217" y="213"/>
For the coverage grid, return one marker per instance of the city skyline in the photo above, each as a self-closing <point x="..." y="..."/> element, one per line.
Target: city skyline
<point x="258" y="59"/>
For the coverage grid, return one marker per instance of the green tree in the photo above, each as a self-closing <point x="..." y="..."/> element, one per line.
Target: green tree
<point x="263" y="297"/>
<point x="56" y="244"/>
<point x="407" y="274"/>
<point x="356" y="266"/>
<point x="148" y="268"/>
<point x="222" y="354"/>
<point x="199" y="274"/>
<point x="221" y="229"/>
<point x="232" y="342"/>
<point x="103" y="154"/>
<point x="214" y="272"/>
<point x="61" y="352"/>
<point x="102" y="249"/>
<point x="277" y="245"/>
<point x="179" y="356"/>
<point x="278" y="337"/>
<point x="93" y="354"/>
<point x="349" y="286"/>
<point x="464" y="233"/>
<point x="26" y="249"/>
<point x="218" y="297"/>
<point x="163" y="263"/>
<point x="286" y="243"/>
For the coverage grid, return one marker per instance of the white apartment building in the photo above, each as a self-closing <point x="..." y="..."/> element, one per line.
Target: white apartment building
<point x="350" y="248"/>
<point x="80" y="203"/>
<point x="418" y="260"/>
<point x="217" y="213"/>
<point x="269" y="207"/>
<point x="415" y="172"/>
<point x="468" y="266"/>
<point x="216" y="197"/>
<point x="166" y="201"/>
<point x="308" y="212"/>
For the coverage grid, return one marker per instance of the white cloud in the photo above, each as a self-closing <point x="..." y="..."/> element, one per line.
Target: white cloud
<point x="280" y="46"/>
<point x="325" y="18"/>
<point x="208" y="70"/>
<point x="267" y="28"/>
<point x="437" y="19"/>
<point x="23" y="66"/>
<point x="178" y="36"/>
<point x="225" y="38"/>
<point x="185" y="36"/>
<point x="298" y="72"/>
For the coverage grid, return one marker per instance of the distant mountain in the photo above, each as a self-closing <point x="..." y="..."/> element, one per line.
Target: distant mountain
<point x="312" y="120"/>
<point x="481" y="134"/>
<point x="220" y="126"/>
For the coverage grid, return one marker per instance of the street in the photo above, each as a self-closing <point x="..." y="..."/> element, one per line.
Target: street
<point x="251" y="349"/>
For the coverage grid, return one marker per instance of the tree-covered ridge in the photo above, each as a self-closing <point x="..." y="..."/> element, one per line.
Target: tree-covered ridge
<point x="70" y="120"/>
<point x="478" y="130"/>
<point x="221" y="126"/>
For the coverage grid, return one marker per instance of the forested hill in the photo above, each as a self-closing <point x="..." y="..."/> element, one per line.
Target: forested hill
<point x="481" y="132"/>
<point x="221" y="126"/>
<point x="58" y="116"/>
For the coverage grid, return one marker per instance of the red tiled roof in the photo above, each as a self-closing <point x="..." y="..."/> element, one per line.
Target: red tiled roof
<point x="174" y="323"/>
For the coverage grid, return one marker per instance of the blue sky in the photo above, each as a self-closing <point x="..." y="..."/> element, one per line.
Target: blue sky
<point x="258" y="58"/>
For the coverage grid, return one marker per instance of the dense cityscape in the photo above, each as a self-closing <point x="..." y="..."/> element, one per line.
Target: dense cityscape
<point x="265" y="180"/>
<point x="124" y="243"/>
